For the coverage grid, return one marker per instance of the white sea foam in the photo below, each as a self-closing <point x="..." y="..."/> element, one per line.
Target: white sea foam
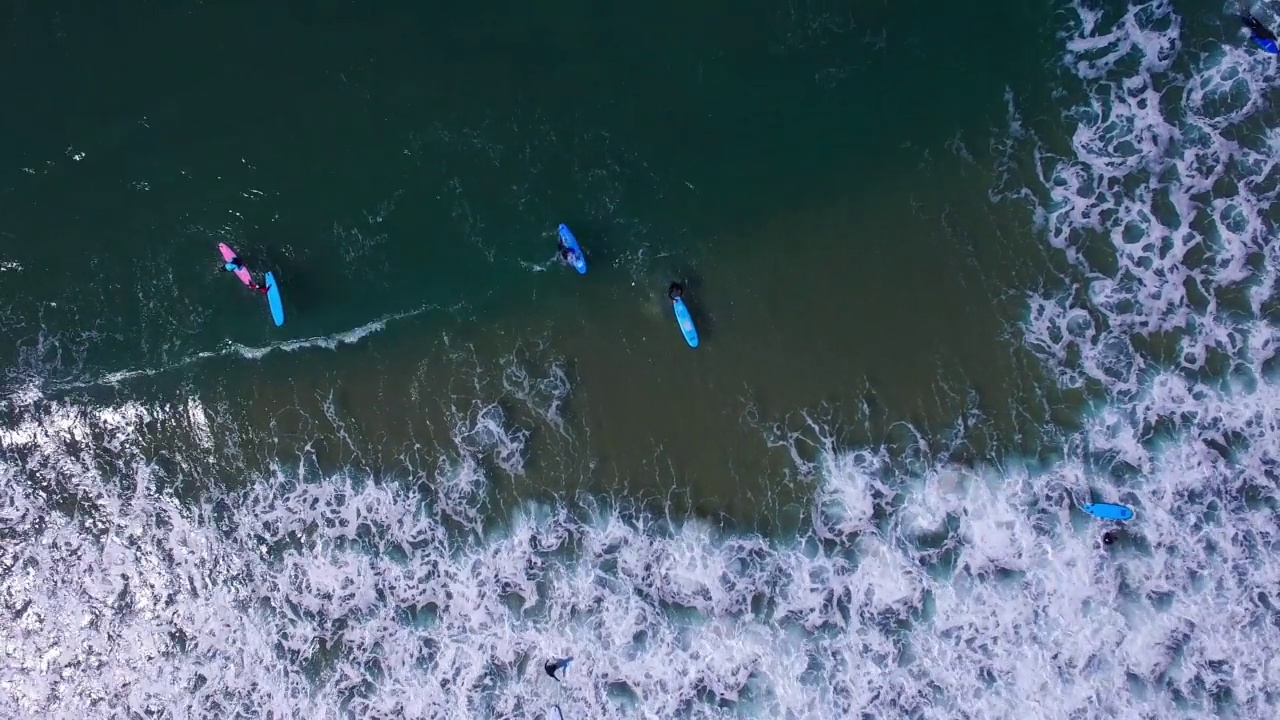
<point x="939" y="592"/>
<point x="1184" y="203"/>
<point x="326" y="342"/>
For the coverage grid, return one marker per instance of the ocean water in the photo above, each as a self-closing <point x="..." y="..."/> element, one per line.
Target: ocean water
<point x="957" y="271"/>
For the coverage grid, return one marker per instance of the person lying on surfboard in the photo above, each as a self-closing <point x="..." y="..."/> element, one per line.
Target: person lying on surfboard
<point x="233" y="265"/>
<point x="675" y="292"/>
<point x="1256" y="29"/>
<point x="567" y="254"/>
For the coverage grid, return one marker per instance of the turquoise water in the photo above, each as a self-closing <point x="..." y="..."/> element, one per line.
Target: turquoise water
<point x="955" y="270"/>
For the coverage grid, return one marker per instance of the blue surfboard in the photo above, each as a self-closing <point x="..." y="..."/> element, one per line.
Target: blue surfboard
<point x="1108" y="511"/>
<point x="1266" y="44"/>
<point x="686" y="322"/>
<point x="273" y="299"/>
<point x="571" y="242"/>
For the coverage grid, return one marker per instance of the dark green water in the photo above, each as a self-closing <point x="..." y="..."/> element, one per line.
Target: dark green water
<point x="817" y="174"/>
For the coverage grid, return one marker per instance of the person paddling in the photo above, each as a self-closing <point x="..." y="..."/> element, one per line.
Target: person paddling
<point x="568" y="255"/>
<point x="1259" y="33"/>
<point x="235" y="265"/>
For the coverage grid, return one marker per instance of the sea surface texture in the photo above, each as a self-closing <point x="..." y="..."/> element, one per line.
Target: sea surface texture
<point x="957" y="269"/>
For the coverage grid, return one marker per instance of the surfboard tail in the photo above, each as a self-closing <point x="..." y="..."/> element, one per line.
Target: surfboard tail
<point x="274" y="300"/>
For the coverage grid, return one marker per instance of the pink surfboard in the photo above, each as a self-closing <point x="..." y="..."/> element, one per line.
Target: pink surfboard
<point x="228" y="254"/>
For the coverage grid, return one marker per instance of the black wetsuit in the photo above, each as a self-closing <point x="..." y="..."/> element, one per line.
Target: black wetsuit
<point x="1256" y="27"/>
<point x="553" y="666"/>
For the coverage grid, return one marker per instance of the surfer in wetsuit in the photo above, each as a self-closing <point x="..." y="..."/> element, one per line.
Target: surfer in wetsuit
<point x="553" y="666"/>
<point x="1257" y="30"/>
<point x="675" y="292"/>
<point x="567" y="254"/>
<point x="232" y="265"/>
<point x="1109" y="537"/>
